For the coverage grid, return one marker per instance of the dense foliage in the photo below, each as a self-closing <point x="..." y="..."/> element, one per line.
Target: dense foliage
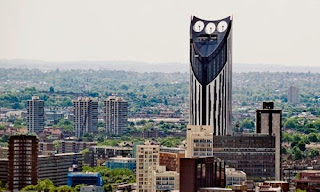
<point x="112" y="176"/>
<point x="47" y="186"/>
<point x="298" y="145"/>
<point x="303" y="124"/>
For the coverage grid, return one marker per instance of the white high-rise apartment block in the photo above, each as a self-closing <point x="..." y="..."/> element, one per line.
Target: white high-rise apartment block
<point x="199" y="141"/>
<point x="35" y="113"/>
<point x="116" y="112"/>
<point x="147" y="162"/>
<point x="85" y="119"/>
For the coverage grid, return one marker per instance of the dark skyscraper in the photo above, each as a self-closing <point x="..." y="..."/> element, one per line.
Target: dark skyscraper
<point x="211" y="74"/>
<point x="23" y="161"/>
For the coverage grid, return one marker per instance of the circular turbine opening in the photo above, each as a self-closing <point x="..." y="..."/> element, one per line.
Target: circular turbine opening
<point x="198" y="26"/>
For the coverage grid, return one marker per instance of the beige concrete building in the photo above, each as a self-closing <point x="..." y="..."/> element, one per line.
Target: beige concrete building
<point x="199" y="141"/>
<point x="268" y="121"/>
<point x="147" y="163"/>
<point x="4" y="151"/>
<point x="165" y="180"/>
<point x="235" y="177"/>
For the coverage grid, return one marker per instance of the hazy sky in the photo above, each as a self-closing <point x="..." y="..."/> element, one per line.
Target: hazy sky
<point x="270" y="31"/>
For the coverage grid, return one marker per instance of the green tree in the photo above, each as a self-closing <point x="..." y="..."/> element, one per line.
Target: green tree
<point x="312" y="153"/>
<point x="65" y="188"/>
<point x="287" y="137"/>
<point x="51" y="89"/>
<point x="2" y="127"/>
<point x="124" y="87"/>
<point x="3" y="186"/>
<point x="66" y="124"/>
<point x="297" y="153"/>
<point x="170" y="141"/>
<point x="42" y="185"/>
<point x="56" y="145"/>
<point x="19" y="123"/>
<point x="78" y="187"/>
<point x="247" y="123"/>
<point x="313" y="137"/>
<point x="112" y="176"/>
<point x="290" y="123"/>
<point x="302" y="145"/>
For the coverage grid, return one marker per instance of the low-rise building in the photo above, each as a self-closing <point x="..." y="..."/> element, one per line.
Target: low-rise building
<point x="46" y="148"/>
<point x="171" y="160"/>
<point x="308" y="180"/>
<point x="201" y="172"/>
<point x="88" y="178"/>
<point x="74" y="146"/>
<point x="91" y="188"/>
<point x="215" y="189"/>
<point x="50" y="134"/>
<point x="254" y="154"/>
<point x="165" y="180"/>
<point x="275" y="184"/>
<point x="53" y="117"/>
<point x="172" y="149"/>
<point x="121" y="162"/>
<point x="235" y="177"/>
<point x="101" y="153"/>
<point x="56" y="167"/>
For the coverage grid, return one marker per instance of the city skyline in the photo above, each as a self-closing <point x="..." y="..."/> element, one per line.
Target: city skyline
<point x="121" y="31"/>
<point x="114" y="130"/>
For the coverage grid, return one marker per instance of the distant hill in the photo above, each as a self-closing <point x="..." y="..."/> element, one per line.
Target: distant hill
<point x="145" y="67"/>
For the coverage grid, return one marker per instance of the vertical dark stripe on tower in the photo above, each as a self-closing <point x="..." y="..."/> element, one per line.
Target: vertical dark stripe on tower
<point x="270" y="124"/>
<point x="258" y="126"/>
<point x="204" y="91"/>
<point x="214" y="107"/>
<point x="195" y="103"/>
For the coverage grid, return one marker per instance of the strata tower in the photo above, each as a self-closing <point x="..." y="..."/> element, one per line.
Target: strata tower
<point x="211" y="74"/>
